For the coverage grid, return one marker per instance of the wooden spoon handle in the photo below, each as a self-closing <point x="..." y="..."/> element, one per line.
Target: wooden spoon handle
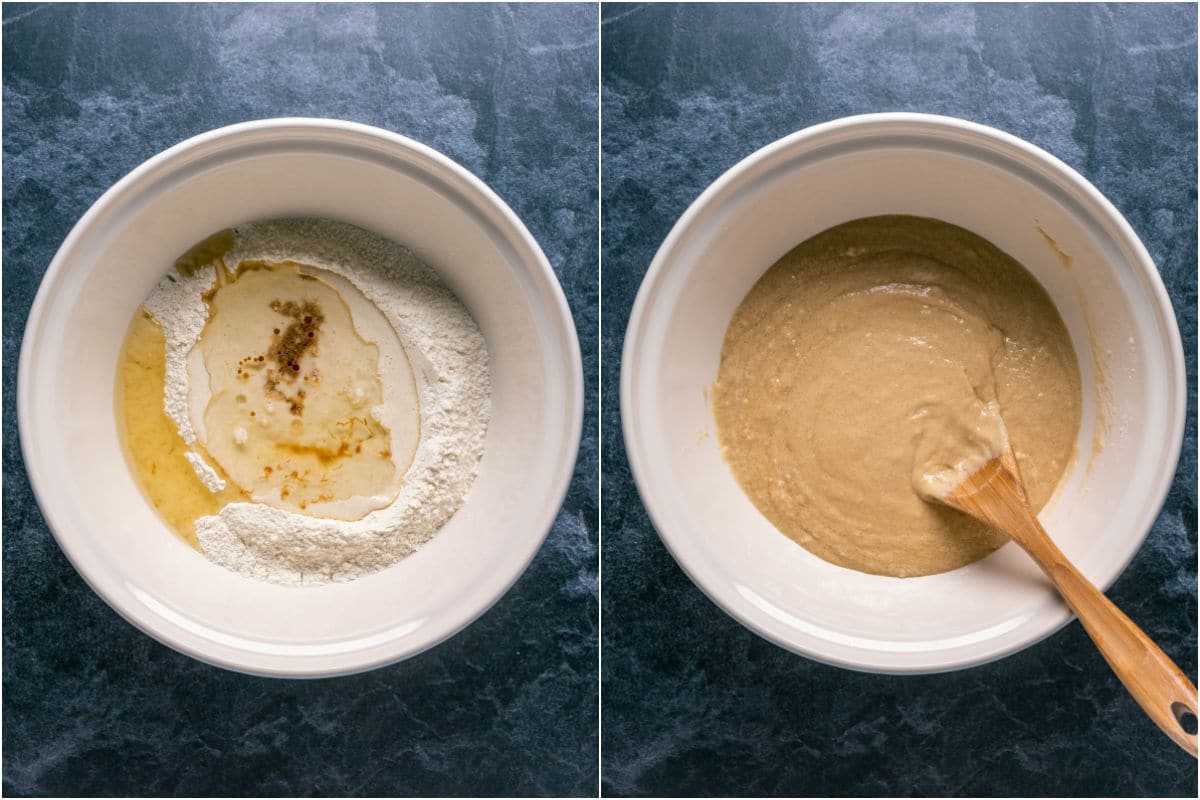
<point x="1160" y="687"/>
<point x="993" y="494"/>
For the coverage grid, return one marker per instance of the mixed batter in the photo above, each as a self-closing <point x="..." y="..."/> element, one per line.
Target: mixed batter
<point x="870" y="362"/>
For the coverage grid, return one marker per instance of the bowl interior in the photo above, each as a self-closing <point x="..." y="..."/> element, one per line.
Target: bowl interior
<point x="385" y="184"/>
<point x="1000" y="190"/>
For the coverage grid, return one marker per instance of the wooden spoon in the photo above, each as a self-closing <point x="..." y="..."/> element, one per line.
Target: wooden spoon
<point x="995" y="495"/>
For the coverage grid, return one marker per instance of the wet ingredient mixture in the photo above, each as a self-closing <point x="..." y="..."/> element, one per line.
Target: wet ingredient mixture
<point x="865" y="364"/>
<point x="292" y="388"/>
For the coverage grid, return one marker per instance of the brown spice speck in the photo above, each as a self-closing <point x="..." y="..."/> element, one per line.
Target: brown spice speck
<point x="286" y="351"/>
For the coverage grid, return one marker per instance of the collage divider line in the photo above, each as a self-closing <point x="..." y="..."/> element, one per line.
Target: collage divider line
<point x="599" y="400"/>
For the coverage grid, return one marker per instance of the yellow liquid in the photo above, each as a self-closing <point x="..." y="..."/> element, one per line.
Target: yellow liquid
<point x="152" y="444"/>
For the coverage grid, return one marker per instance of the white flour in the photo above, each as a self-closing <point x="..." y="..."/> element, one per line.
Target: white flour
<point x="448" y="357"/>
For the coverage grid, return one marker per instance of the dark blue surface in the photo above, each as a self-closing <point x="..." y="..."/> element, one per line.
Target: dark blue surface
<point x="693" y="702"/>
<point x="92" y="706"/>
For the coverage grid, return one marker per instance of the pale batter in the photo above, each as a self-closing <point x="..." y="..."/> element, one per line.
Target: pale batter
<point x="871" y="359"/>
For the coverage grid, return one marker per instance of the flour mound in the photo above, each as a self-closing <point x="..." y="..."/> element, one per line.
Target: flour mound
<point x="449" y="360"/>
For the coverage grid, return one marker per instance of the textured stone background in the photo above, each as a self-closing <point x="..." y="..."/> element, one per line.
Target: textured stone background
<point x="693" y="702"/>
<point x="92" y="706"/>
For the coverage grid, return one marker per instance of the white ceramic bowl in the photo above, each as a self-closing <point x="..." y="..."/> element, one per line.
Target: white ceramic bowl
<point x="1004" y="189"/>
<point x="297" y="167"/>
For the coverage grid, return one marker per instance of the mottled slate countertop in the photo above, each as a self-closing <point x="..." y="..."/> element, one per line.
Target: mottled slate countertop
<point x="693" y="702"/>
<point x="91" y="705"/>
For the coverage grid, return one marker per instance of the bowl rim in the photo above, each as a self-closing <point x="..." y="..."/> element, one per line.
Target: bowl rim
<point x="867" y="126"/>
<point x="546" y="288"/>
